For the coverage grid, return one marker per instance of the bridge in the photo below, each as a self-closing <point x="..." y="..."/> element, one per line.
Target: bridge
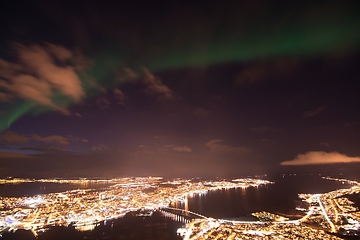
<point x="180" y="215"/>
<point x="184" y="217"/>
<point x="186" y="212"/>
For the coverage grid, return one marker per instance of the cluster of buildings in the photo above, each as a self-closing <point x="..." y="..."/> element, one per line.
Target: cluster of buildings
<point x="85" y="208"/>
<point x="326" y="216"/>
<point x="221" y="229"/>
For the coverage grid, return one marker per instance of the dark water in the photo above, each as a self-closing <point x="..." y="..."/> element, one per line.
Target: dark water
<point x="131" y="227"/>
<point x="280" y="197"/>
<point x="36" y="188"/>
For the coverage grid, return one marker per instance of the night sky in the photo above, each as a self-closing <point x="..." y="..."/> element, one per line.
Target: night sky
<point x="178" y="88"/>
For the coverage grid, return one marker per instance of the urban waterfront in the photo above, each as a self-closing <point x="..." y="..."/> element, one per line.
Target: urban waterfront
<point x="227" y="200"/>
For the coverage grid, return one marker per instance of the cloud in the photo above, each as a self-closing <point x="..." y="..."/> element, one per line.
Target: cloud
<point x="266" y="129"/>
<point x="130" y="73"/>
<point x="42" y="72"/>
<point x="182" y="149"/>
<point x="102" y="102"/>
<point x="216" y="147"/>
<point x="320" y="157"/>
<point x="99" y="148"/>
<point x="13" y="137"/>
<point x="154" y="86"/>
<point x="92" y="83"/>
<point x="314" y="112"/>
<point x="14" y="155"/>
<point x="324" y="144"/>
<point x="45" y="148"/>
<point x="125" y="74"/>
<point x="119" y="96"/>
<point x="5" y="97"/>
<point x="176" y="148"/>
<point x="256" y="72"/>
<point x="54" y="138"/>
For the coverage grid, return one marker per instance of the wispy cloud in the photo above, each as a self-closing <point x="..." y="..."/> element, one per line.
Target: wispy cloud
<point x="14" y="155"/>
<point x="320" y="157"/>
<point x="41" y="72"/>
<point x="324" y="144"/>
<point x="51" y="139"/>
<point x="99" y="148"/>
<point x="119" y="96"/>
<point x="176" y="148"/>
<point x="314" y="112"/>
<point x="45" y="148"/>
<point x="154" y="86"/>
<point x="217" y="147"/>
<point x="182" y="149"/>
<point x="102" y="102"/>
<point x="12" y="137"/>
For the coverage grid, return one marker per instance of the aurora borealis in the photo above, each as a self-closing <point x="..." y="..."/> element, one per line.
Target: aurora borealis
<point x="176" y="46"/>
<point x="250" y="78"/>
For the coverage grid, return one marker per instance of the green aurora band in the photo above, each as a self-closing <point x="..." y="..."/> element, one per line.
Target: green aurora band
<point x="188" y="50"/>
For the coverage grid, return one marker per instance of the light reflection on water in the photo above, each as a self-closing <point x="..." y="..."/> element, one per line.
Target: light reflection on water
<point x="280" y="197"/>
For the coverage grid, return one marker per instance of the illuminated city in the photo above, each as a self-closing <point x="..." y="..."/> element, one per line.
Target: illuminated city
<point x="323" y="214"/>
<point x="87" y="207"/>
<point x="179" y="119"/>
